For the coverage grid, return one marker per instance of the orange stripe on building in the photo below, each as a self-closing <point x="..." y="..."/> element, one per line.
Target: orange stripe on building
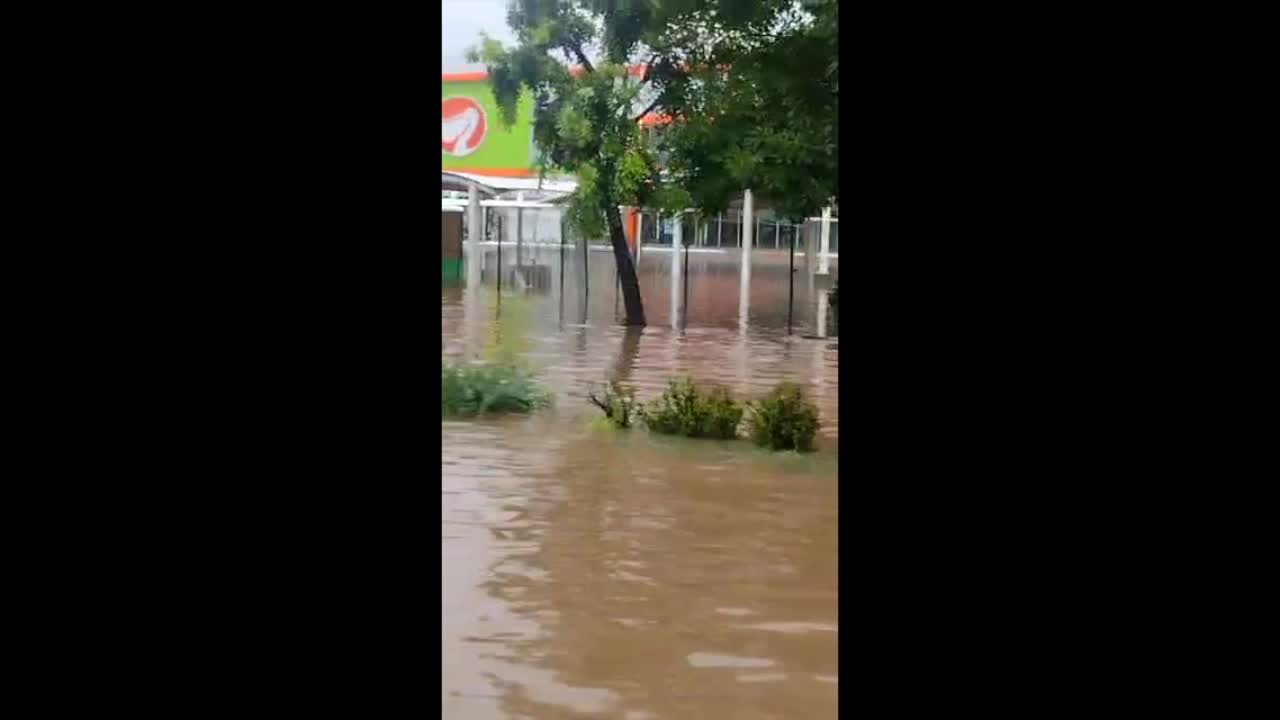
<point x="651" y="119"/>
<point x="465" y="76"/>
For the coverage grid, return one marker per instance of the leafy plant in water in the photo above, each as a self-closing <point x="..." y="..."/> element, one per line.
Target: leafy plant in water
<point x="618" y="403"/>
<point x="685" y="409"/>
<point x="783" y="420"/>
<point x="467" y="390"/>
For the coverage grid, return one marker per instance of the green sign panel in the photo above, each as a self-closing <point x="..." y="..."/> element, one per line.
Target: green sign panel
<point x="473" y="138"/>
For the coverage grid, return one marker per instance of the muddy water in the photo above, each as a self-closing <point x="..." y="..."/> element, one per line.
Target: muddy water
<point x="597" y="574"/>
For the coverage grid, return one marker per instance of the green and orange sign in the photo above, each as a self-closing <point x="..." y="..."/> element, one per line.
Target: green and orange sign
<point x="472" y="136"/>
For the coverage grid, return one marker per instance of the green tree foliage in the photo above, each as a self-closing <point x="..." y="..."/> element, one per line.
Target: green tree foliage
<point x="584" y="119"/>
<point x="752" y="90"/>
<point x="750" y="87"/>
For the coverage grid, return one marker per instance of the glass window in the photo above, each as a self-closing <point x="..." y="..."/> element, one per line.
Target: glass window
<point x="689" y="230"/>
<point x="786" y="236"/>
<point x="731" y="229"/>
<point x="649" y="227"/>
<point x="767" y="234"/>
<point x="665" y="231"/>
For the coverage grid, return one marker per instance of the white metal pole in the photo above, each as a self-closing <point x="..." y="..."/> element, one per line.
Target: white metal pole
<point x="472" y="311"/>
<point x="806" y="232"/>
<point x="520" y="231"/>
<point x="748" y="228"/>
<point x="677" y="235"/>
<point x="810" y="244"/>
<point x="475" y="234"/>
<point x="824" y="244"/>
<point x="824" y="302"/>
<point x="639" y="236"/>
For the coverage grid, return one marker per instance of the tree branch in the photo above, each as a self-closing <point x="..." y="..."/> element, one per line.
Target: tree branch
<point x="576" y="47"/>
<point x="648" y="67"/>
<point x="644" y="77"/>
<point x="608" y="411"/>
<point x="649" y="109"/>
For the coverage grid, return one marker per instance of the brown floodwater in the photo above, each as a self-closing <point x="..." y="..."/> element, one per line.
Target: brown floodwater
<point x="590" y="573"/>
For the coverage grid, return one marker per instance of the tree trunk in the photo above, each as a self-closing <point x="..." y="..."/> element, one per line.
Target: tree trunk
<point x="626" y="268"/>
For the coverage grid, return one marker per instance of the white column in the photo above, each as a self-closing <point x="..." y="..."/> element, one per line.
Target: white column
<point x="677" y="236"/>
<point x="824" y="243"/>
<point x="639" y="235"/>
<point x="475" y="234"/>
<point x="520" y="230"/>
<point x="748" y="231"/>
<point x="824" y="302"/>
<point x="810" y="244"/>
<point x="472" y="304"/>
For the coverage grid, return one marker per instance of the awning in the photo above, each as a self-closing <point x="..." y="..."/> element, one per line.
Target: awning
<point x="490" y="185"/>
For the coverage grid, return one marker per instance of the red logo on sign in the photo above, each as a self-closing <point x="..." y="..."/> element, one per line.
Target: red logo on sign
<point x="463" y="126"/>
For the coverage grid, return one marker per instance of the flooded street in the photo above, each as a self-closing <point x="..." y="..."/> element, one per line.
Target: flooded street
<point x="590" y="573"/>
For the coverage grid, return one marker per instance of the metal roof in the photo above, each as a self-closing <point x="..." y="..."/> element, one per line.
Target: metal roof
<point x="490" y="185"/>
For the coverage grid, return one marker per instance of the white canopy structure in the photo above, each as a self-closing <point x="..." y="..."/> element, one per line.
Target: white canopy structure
<point x="494" y="186"/>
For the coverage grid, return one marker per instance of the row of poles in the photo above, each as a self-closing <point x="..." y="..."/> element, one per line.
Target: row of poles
<point x="679" y="266"/>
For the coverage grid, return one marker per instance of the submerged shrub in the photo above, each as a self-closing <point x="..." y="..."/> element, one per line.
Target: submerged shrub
<point x="783" y="420"/>
<point x="489" y="389"/>
<point x="618" y="403"/>
<point x="685" y="409"/>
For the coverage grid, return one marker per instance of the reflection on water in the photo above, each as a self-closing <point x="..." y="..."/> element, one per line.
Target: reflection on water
<point x="599" y="574"/>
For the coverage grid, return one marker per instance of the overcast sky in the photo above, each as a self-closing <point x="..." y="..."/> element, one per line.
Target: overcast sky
<point x="460" y="24"/>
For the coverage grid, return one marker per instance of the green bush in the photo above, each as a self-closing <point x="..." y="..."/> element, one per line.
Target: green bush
<point x="685" y="409"/>
<point x="618" y="403"/>
<point x="467" y="390"/>
<point x="783" y="420"/>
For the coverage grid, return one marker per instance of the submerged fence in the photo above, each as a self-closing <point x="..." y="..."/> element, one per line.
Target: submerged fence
<point x="528" y="249"/>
